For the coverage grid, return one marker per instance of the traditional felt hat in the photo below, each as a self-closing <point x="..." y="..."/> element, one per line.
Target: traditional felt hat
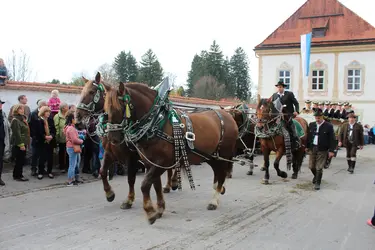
<point x="307" y="101"/>
<point x="321" y="103"/>
<point x="318" y="112"/>
<point x="334" y="103"/>
<point x="346" y="104"/>
<point x="339" y="104"/>
<point x="352" y="115"/>
<point x="315" y="102"/>
<point x="280" y="83"/>
<point x="327" y="103"/>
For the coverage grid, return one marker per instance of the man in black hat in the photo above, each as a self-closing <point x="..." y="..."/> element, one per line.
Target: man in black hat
<point x="315" y="106"/>
<point x="288" y="99"/>
<point x="320" y="145"/>
<point x="326" y="108"/>
<point x="351" y="137"/>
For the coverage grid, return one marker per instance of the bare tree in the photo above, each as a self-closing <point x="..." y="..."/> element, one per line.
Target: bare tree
<point x="172" y="79"/>
<point x="18" y="65"/>
<point x="253" y="94"/>
<point x="108" y="73"/>
<point x="208" y="87"/>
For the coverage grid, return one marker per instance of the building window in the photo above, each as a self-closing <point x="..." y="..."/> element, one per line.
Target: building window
<point x="317" y="83"/>
<point x="354" y="80"/>
<point x="285" y="76"/>
<point x="318" y="32"/>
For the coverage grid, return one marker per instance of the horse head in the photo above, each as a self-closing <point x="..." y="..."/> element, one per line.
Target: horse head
<point x="125" y="106"/>
<point x="91" y="102"/>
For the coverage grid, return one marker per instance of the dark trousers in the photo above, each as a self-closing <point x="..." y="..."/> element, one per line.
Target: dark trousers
<point x="46" y="156"/>
<point x="63" y="157"/>
<point x="91" y="159"/>
<point x="2" y="149"/>
<point x="35" y="156"/>
<point x="20" y="157"/>
<point x="351" y="152"/>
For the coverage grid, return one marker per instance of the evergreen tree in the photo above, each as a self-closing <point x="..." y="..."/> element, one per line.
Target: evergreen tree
<point x="196" y="71"/>
<point x="228" y="81"/>
<point x="215" y="62"/>
<point x="150" y="71"/>
<point x="125" y="66"/>
<point x="239" y="71"/>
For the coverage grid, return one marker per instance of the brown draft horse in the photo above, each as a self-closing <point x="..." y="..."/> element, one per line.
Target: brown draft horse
<point x="275" y="142"/>
<point x="246" y="136"/>
<point x="90" y="106"/>
<point x="157" y="153"/>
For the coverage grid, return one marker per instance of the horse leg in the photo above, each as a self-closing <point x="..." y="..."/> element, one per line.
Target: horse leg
<point x="107" y="162"/>
<point x="266" y="155"/>
<point x="220" y="169"/>
<point x="159" y="197"/>
<point x="168" y="186"/>
<point x="147" y="182"/>
<point x="279" y="155"/>
<point x="297" y="162"/>
<point x="132" y="173"/>
<point x="174" y="180"/>
<point x="250" y="172"/>
<point x="230" y="170"/>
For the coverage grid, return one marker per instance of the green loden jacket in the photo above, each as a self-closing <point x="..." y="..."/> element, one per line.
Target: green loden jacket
<point x="20" y="131"/>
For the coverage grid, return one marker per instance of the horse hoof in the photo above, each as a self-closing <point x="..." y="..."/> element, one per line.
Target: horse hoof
<point x="265" y="182"/>
<point x="153" y="218"/>
<point x="174" y="188"/>
<point x="249" y="173"/>
<point x="126" y="205"/>
<point x="283" y="174"/>
<point x="111" y="197"/>
<point x="166" y="190"/>
<point x="211" y="207"/>
<point x="223" y="190"/>
<point x="294" y="176"/>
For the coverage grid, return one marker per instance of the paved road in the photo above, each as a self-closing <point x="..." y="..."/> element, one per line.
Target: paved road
<point x="283" y="215"/>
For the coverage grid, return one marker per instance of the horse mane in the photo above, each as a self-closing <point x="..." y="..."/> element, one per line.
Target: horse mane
<point x="112" y="101"/>
<point x="85" y="87"/>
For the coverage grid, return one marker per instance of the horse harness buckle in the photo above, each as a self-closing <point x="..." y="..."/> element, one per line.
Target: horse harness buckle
<point x="190" y="136"/>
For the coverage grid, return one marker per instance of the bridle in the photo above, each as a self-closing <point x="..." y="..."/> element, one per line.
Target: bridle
<point x="91" y="108"/>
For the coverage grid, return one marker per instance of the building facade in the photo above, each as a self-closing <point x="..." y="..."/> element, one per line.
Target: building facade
<point x="341" y="60"/>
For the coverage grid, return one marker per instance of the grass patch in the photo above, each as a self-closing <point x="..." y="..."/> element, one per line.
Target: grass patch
<point x="293" y="191"/>
<point x="304" y="186"/>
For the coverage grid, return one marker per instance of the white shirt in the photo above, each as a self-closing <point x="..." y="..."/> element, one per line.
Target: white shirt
<point x="315" y="142"/>
<point x="351" y="129"/>
<point x="281" y="94"/>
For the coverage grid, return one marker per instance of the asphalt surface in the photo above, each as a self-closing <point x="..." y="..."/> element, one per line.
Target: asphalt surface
<point x="283" y="215"/>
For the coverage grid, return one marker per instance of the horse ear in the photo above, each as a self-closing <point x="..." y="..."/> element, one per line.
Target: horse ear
<point x="84" y="79"/>
<point x="121" y="89"/>
<point x="98" y="77"/>
<point x="269" y="99"/>
<point x="221" y="107"/>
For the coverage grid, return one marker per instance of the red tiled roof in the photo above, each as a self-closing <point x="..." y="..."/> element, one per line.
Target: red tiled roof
<point x="48" y="87"/>
<point x="344" y="27"/>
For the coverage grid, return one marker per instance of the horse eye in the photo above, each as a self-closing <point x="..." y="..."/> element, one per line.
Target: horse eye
<point x="92" y="92"/>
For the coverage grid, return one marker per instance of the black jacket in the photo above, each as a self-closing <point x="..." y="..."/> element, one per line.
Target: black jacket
<point x="39" y="132"/>
<point x="337" y="114"/>
<point x="33" y="122"/>
<point x="344" y="115"/>
<point x="326" y="112"/>
<point x="331" y="113"/>
<point x="289" y="100"/>
<point x="326" y="137"/>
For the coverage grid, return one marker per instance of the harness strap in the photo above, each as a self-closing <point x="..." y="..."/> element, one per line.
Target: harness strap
<point x="222" y="132"/>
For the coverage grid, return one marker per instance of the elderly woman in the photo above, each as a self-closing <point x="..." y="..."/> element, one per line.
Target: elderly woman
<point x="3" y="73"/>
<point x="60" y="121"/>
<point x="45" y="141"/>
<point x="20" y="140"/>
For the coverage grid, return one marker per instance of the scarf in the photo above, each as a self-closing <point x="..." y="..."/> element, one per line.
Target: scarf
<point x="46" y="127"/>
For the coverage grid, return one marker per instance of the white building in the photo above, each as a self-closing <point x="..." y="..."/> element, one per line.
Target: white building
<point x="342" y="58"/>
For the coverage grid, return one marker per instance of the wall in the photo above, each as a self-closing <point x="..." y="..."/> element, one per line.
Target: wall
<point x="10" y="97"/>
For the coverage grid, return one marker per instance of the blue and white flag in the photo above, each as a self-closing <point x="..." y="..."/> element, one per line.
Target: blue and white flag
<point x="305" y="52"/>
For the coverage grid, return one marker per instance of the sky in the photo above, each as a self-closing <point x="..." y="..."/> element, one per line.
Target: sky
<point x="67" y="38"/>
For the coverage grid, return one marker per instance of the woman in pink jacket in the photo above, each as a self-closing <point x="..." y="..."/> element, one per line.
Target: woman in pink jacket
<point x="72" y="140"/>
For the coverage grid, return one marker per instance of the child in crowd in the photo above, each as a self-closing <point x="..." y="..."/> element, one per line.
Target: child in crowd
<point x="54" y="102"/>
